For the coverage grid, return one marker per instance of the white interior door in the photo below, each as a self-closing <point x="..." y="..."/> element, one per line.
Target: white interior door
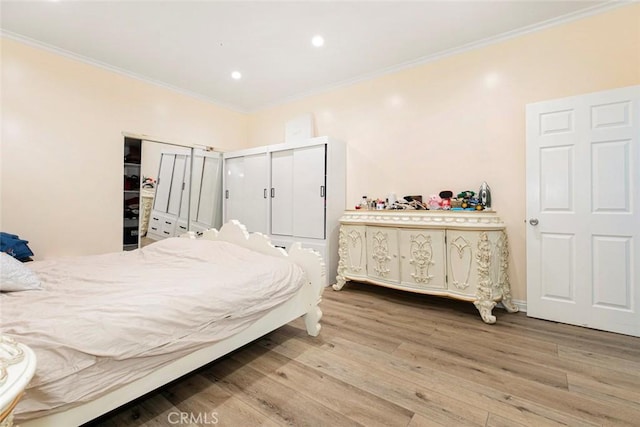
<point x="583" y="204"/>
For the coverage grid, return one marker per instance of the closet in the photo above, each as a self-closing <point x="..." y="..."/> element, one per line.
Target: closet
<point x="187" y="195"/>
<point x="131" y="193"/>
<point x="293" y="192"/>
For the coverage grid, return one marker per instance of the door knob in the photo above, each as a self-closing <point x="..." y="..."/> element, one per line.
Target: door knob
<point x="533" y="221"/>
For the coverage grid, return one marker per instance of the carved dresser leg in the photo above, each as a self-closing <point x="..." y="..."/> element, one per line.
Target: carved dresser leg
<point x="485" y="302"/>
<point x="312" y="320"/>
<point x="342" y="259"/>
<point x="485" y="307"/>
<point x="504" y="276"/>
<point x="340" y="282"/>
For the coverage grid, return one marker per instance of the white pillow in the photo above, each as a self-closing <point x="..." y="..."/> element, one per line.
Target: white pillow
<point x="15" y="276"/>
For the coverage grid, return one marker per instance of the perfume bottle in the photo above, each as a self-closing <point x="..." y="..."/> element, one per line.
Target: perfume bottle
<point x="364" y="204"/>
<point x="484" y="195"/>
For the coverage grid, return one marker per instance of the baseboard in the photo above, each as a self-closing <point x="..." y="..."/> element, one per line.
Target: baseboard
<point x="522" y="305"/>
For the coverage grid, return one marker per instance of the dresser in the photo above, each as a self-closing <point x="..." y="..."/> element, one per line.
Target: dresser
<point x="455" y="254"/>
<point x="17" y="366"/>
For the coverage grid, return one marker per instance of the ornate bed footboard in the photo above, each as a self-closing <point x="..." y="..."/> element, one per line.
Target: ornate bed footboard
<point x="310" y="261"/>
<point x="17" y="366"/>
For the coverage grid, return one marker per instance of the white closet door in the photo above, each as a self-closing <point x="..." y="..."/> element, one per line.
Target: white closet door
<point x="282" y="200"/>
<point x="163" y="189"/>
<point x="184" y="213"/>
<point x="246" y="187"/>
<point x="583" y="208"/>
<point x="234" y="187"/>
<point x="208" y="191"/>
<point x="177" y="184"/>
<point x="196" y="185"/>
<point x="256" y="185"/>
<point x="309" y="191"/>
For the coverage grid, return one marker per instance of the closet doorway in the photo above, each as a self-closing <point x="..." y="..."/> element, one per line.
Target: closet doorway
<point x="171" y="189"/>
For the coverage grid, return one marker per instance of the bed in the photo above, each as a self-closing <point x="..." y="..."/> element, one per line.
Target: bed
<point x="109" y="328"/>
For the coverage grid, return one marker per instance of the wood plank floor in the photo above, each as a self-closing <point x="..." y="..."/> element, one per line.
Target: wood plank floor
<point x="386" y="357"/>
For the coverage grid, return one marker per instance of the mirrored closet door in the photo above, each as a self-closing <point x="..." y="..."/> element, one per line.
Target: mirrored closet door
<point x="177" y="189"/>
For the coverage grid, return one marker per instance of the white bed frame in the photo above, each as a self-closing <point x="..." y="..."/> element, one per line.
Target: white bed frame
<point x="304" y="303"/>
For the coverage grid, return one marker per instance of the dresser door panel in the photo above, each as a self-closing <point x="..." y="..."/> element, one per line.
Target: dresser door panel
<point x="354" y="237"/>
<point x="382" y="254"/>
<point x="461" y="265"/>
<point x="422" y="258"/>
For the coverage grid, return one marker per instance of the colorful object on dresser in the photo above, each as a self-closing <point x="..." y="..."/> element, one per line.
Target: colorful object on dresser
<point x="466" y="200"/>
<point x="446" y="196"/>
<point x="148" y="182"/>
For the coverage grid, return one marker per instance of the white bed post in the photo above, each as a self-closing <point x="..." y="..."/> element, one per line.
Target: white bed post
<point x="311" y="262"/>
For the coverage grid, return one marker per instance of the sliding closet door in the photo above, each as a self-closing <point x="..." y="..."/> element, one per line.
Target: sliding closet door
<point x="282" y="199"/>
<point x="309" y="192"/>
<point x="206" y="191"/>
<point x="246" y="191"/>
<point x="177" y="184"/>
<point x="165" y="176"/>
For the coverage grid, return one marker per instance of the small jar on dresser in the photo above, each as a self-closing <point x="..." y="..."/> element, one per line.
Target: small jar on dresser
<point x="461" y="255"/>
<point x="17" y="366"/>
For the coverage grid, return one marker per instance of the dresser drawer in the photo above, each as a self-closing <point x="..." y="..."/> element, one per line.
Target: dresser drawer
<point x="181" y="228"/>
<point x="168" y="227"/>
<point x="155" y="225"/>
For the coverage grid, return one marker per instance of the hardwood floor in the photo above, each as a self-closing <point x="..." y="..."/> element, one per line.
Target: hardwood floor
<point x="390" y="358"/>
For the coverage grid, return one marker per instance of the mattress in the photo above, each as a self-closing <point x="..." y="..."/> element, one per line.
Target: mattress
<point x="103" y="321"/>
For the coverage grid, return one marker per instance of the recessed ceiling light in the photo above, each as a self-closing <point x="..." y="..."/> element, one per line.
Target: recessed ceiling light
<point x="317" y="41"/>
<point x="236" y="75"/>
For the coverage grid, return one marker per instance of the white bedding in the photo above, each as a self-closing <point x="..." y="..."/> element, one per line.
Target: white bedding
<point x="105" y="320"/>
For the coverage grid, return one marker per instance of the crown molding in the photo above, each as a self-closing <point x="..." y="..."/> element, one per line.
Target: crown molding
<point x="68" y="54"/>
<point x="594" y="10"/>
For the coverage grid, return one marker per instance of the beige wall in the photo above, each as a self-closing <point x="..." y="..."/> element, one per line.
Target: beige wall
<point x="449" y="124"/>
<point x="455" y="122"/>
<point x="62" y="145"/>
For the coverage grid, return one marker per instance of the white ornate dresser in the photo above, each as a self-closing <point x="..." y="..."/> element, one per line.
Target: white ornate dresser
<point x="17" y="366"/>
<point x="456" y="254"/>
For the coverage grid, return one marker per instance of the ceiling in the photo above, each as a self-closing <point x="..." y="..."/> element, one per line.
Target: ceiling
<point x="193" y="46"/>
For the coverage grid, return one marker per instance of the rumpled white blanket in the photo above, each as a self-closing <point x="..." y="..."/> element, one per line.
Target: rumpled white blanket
<point x="141" y="308"/>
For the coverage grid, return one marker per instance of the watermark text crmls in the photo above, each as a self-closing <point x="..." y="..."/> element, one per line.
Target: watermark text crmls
<point x="201" y="418"/>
